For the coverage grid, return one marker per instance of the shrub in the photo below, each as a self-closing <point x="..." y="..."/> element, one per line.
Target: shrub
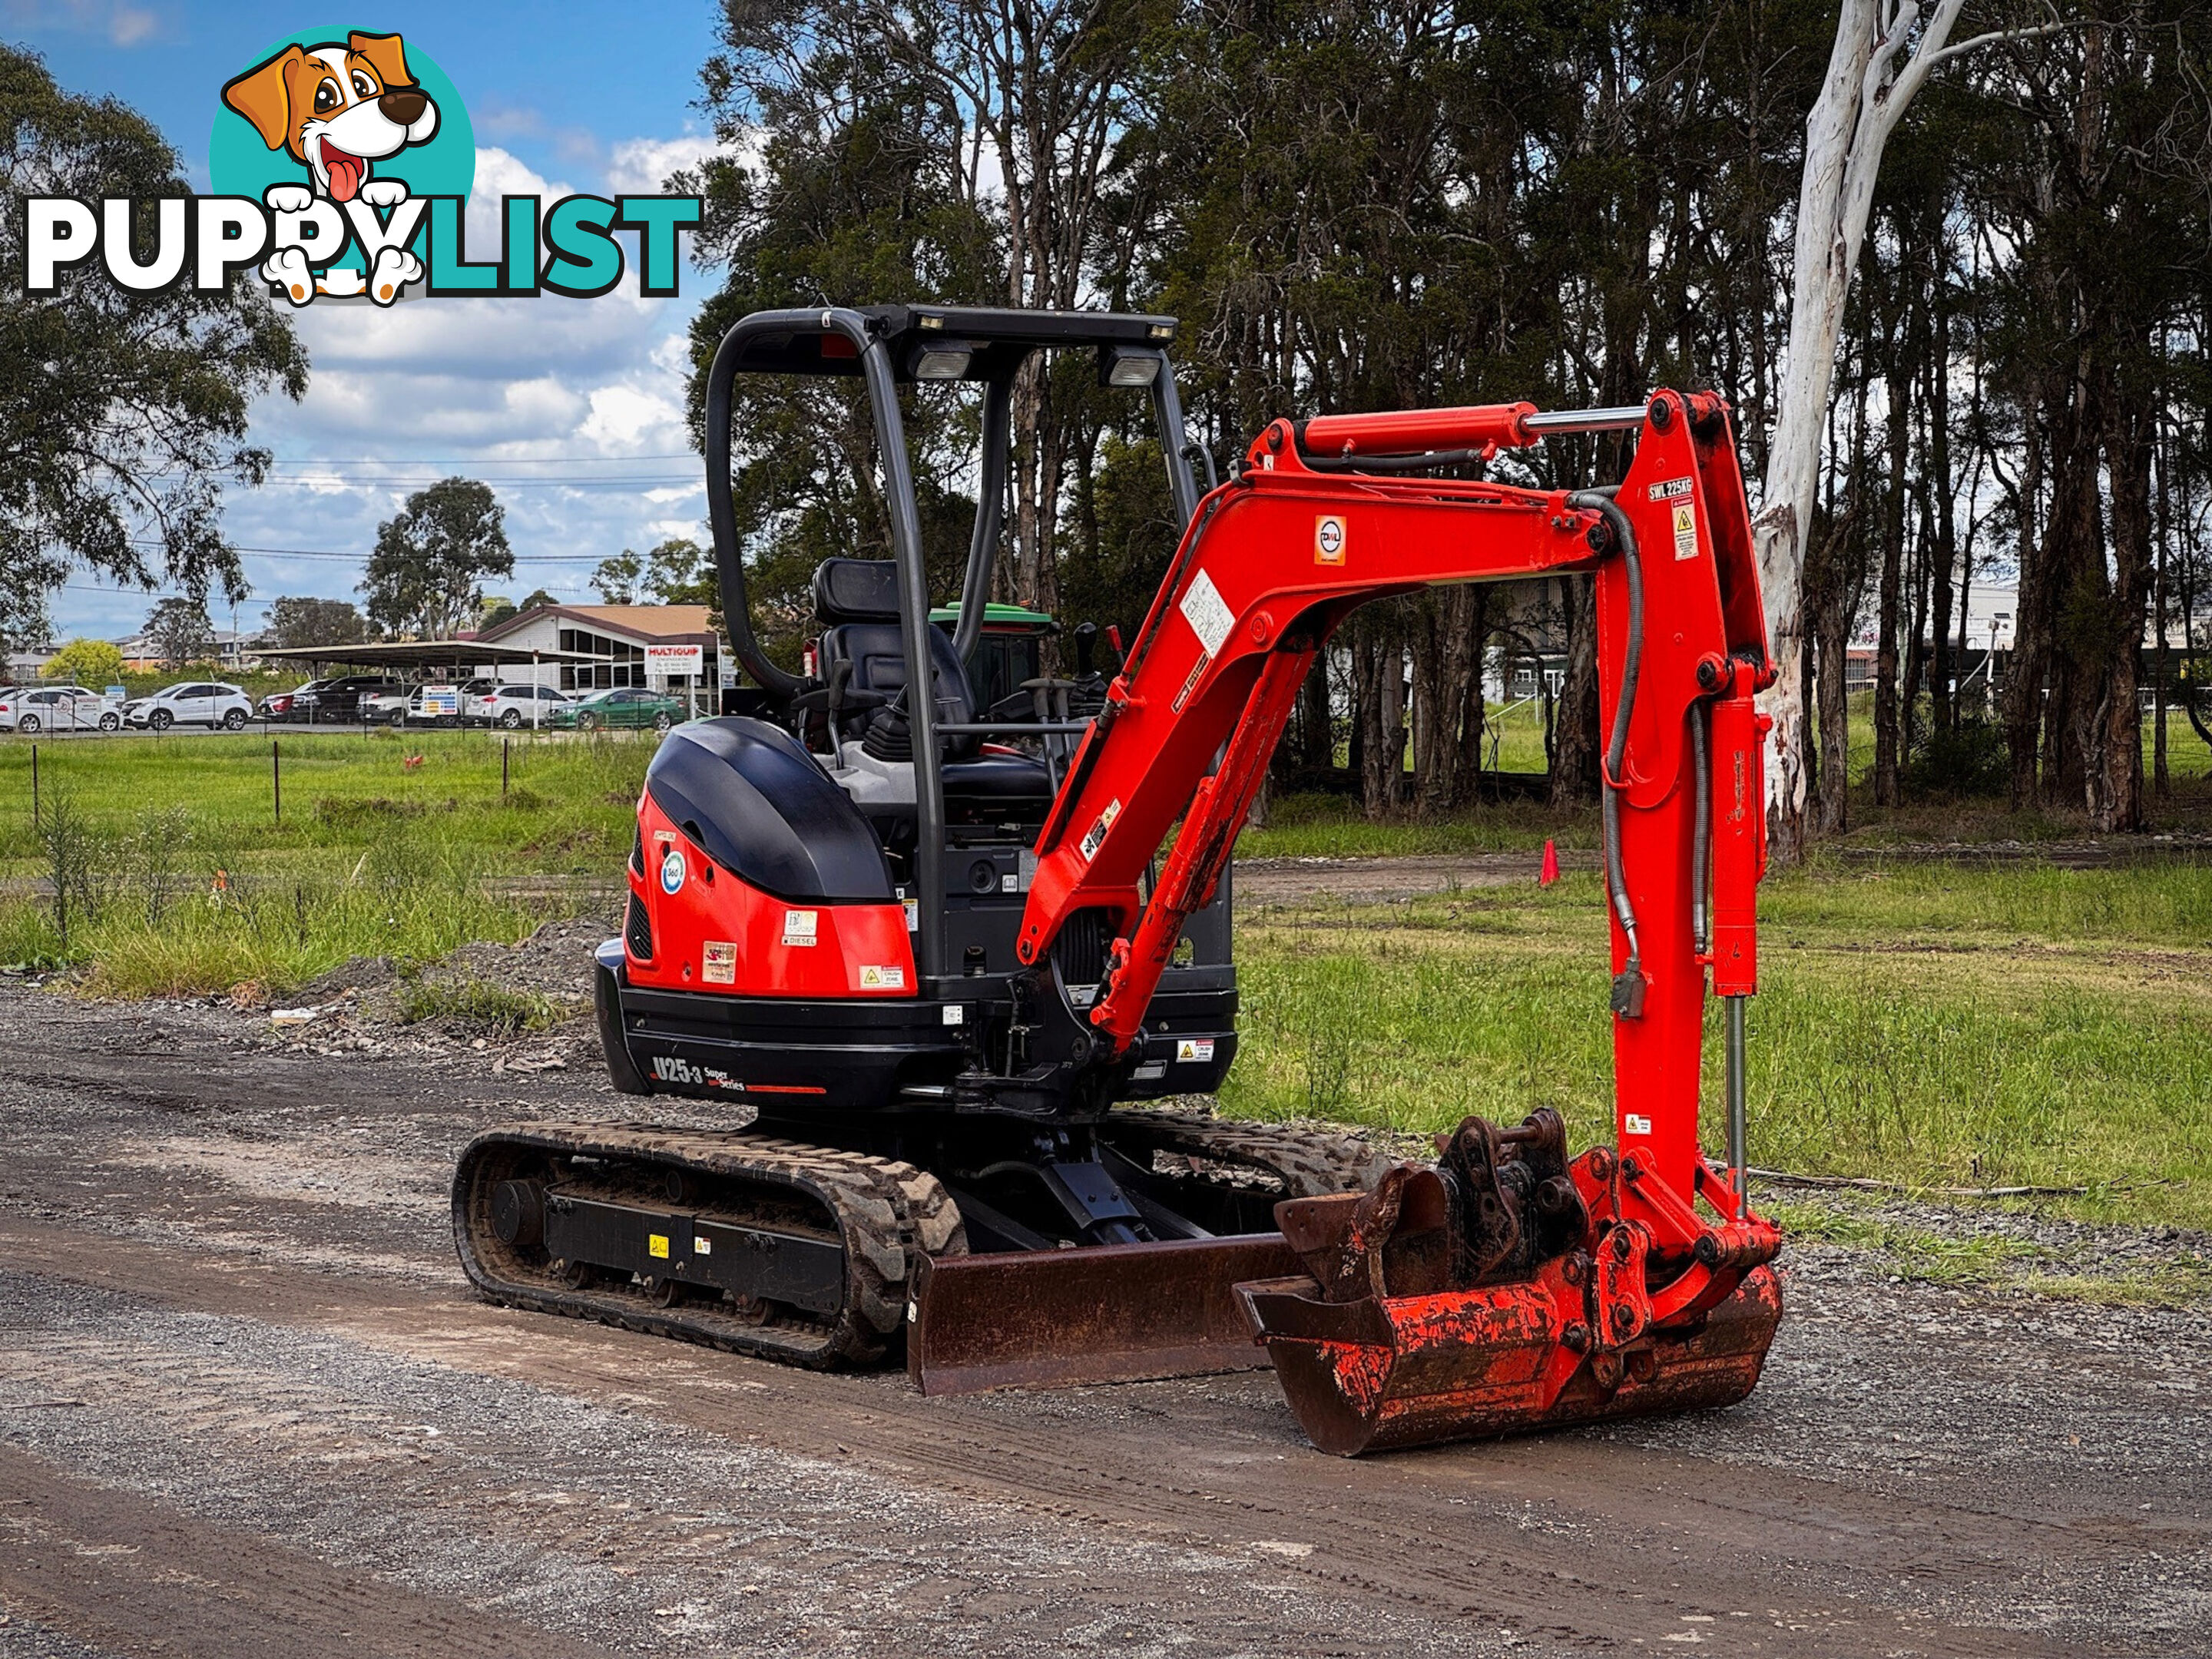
<point x="1969" y="760"/>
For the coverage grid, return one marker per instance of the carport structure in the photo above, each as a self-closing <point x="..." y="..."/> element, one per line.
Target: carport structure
<point x="421" y="656"/>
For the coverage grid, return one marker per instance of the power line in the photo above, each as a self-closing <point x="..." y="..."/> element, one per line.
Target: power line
<point x="324" y="480"/>
<point x="359" y="558"/>
<point x="488" y="460"/>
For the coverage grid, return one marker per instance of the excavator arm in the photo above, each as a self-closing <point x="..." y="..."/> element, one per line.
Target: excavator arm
<point x="1506" y="1286"/>
<point x="1323" y="520"/>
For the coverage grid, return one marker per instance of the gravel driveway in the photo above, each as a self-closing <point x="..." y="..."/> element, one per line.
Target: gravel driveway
<point x="247" y="1407"/>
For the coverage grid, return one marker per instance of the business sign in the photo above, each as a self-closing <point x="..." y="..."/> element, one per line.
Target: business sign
<point x="342" y="162"/>
<point x="662" y="660"/>
<point x="441" y="699"/>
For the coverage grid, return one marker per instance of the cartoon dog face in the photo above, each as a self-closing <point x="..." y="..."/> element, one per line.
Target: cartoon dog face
<point x="336" y="108"/>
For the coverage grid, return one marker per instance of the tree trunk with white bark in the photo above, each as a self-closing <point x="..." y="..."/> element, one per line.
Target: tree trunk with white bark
<point x="1884" y="53"/>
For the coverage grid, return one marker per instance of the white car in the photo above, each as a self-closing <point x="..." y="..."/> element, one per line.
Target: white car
<point x="30" y="709"/>
<point x="513" y="706"/>
<point x="195" y="702"/>
<point x="385" y="708"/>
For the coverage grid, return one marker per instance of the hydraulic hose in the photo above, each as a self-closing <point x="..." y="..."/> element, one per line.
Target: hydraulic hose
<point x="990" y="506"/>
<point x="1628" y="987"/>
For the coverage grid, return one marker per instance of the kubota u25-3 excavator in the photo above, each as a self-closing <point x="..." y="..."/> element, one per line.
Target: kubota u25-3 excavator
<point x="921" y="956"/>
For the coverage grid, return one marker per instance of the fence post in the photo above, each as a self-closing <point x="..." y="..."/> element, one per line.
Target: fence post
<point x="35" y="819"/>
<point x="276" y="777"/>
<point x="504" y="744"/>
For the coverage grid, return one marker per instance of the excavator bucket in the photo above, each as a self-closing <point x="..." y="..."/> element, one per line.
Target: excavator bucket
<point x="1504" y="1290"/>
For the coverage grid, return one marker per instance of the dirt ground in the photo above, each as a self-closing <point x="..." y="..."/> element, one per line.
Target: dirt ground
<point x="247" y="1407"/>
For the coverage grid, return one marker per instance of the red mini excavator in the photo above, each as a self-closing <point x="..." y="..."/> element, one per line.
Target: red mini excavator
<point x="924" y="961"/>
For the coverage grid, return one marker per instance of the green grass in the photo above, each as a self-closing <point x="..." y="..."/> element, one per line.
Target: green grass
<point x="494" y="1008"/>
<point x="1926" y="1024"/>
<point x="567" y="809"/>
<point x="194" y="886"/>
<point x="2000" y="1028"/>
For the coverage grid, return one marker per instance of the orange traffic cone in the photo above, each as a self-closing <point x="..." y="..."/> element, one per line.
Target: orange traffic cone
<point x="1550" y="872"/>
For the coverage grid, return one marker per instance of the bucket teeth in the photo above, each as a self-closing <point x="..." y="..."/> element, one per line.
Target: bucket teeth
<point x="1504" y="1290"/>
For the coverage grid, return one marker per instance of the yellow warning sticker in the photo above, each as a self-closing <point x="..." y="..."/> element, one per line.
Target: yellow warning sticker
<point x="873" y="978"/>
<point x="657" y="1245"/>
<point x="1686" y="530"/>
<point x="1096" y="837"/>
<point x="701" y="1245"/>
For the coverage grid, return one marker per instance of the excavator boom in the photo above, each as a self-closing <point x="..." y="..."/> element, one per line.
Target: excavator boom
<point x="1644" y="1304"/>
<point x="1274" y="561"/>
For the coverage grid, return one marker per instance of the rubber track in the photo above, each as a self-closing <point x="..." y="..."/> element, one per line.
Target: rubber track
<point x="1308" y="1162"/>
<point x="885" y="1212"/>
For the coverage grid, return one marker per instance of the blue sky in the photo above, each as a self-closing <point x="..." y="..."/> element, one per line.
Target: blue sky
<point x="572" y="410"/>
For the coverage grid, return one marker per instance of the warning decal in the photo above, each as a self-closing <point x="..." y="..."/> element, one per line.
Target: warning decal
<point x="1208" y="615"/>
<point x="1686" y="530"/>
<point x="1328" y="539"/>
<point x="873" y="978"/>
<point x="1190" y="685"/>
<point x="1095" y="838"/>
<point x="719" y="963"/>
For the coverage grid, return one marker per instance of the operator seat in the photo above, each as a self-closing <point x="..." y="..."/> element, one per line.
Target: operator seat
<point x="861" y="660"/>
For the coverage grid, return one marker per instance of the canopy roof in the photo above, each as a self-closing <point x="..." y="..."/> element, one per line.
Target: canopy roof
<point x="419" y="653"/>
<point x="1000" y="338"/>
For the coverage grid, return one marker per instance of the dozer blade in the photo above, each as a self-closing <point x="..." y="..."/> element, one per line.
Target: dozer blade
<point x="1382" y="1373"/>
<point x="1120" y="1313"/>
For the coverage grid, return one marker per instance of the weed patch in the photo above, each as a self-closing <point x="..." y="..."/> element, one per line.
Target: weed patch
<point x="493" y="1009"/>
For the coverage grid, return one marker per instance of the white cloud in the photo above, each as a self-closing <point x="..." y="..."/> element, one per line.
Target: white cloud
<point x="641" y="167"/>
<point x="122" y="24"/>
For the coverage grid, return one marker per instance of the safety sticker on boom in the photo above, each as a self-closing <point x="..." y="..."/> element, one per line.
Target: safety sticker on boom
<point x="1095" y="838"/>
<point x="1679" y="494"/>
<point x="1207" y="613"/>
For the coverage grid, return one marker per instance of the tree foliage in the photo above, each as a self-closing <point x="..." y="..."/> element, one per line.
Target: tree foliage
<point x="296" y="620"/>
<point x="1352" y="207"/>
<point x="180" y="634"/>
<point x="93" y="663"/>
<point x="425" y="576"/>
<point x="121" y="414"/>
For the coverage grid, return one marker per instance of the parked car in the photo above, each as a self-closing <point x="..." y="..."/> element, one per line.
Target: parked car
<point x="418" y="712"/>
<point x="385" y="705"/>
<point x="513" y="706"/>
<point x="293" y="704"/>
<point x="625" y="705"/>
<point x="340" y="700"/>
<point x="192" y="702"/>
<point x="31" y="709"/>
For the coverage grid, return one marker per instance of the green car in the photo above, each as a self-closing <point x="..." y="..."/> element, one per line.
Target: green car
<point x="625" y="705"/>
